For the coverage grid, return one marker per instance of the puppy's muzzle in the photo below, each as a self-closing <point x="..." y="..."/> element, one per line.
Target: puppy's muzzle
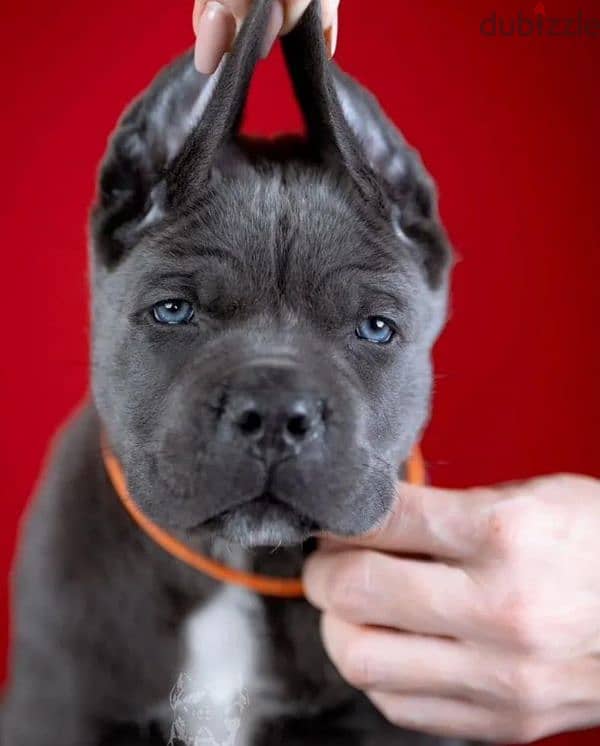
<point x="268" y="412"/>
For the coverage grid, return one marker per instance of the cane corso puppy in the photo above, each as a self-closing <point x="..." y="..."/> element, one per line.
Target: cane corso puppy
<point x="263" y="313"/>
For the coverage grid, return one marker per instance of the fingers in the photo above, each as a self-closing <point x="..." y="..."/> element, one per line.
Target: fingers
<point x="366" y="587"/>
<point x="450" y="524"/>
<point x="294" y="9"/>
<point x="216" y="23"/>
<point x="215" y="32"/>
<point x="453" y="718"/>
<point x="450" y="717"/>
<point x="381" y="660"/>
<point x="376" y="659"/>
<point x="446" y="687"/>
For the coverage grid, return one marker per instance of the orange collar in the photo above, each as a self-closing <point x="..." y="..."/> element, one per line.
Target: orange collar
<point x="263" y="584"/>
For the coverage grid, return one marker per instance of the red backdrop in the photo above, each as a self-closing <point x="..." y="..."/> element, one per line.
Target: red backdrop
<point x="508" y="126"/>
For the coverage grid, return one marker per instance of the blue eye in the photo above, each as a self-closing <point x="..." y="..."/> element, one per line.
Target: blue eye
<point x="174" y="311"/>
<point x="375" y="329"/>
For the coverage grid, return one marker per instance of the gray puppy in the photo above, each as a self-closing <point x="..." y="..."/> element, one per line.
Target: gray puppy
<point x="263" y="317"/>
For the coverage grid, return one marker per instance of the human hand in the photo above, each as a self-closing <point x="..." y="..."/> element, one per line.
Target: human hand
<point x="496" y="635"/>
<point x="216" y="23"/>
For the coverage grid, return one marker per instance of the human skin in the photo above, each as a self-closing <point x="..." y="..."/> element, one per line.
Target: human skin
<point x="216" y="23"/>
<point x="472" y="613"/>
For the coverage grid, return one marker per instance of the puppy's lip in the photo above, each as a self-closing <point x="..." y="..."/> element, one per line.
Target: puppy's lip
<point x="267" y="500"/>
<point x="262" y="503"/>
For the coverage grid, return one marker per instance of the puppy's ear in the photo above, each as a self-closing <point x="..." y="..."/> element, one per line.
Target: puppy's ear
<point x="344" y="121"/>
<point x="149" y="136"/>
<point x="410" y="194"/>
<point x="222" y="118"/>
<point x="163" y="148"/>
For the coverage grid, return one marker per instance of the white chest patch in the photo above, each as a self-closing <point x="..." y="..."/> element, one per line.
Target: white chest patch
<point x="212" y="701"/>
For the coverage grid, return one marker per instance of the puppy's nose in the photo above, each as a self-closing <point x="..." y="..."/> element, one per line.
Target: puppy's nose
<point x="274" y="424"/>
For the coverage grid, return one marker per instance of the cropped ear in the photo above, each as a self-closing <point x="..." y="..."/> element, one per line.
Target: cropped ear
<point x="223" y="115"/>
<point x="410" y="192"/>
<point x="165" y="143"/>
<point x="345" y="121"/>
<point x="147" y="139"/>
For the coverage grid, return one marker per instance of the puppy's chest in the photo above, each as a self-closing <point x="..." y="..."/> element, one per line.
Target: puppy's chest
<point x="226" y="687"/>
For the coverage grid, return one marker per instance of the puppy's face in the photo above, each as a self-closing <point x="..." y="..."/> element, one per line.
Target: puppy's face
<point x="262" y="359"/>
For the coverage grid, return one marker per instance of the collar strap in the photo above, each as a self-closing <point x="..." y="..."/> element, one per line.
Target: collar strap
<point x="263" y="584"/>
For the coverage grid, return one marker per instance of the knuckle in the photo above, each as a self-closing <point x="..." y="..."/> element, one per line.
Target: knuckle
<point x="350" y="586"/>
<point x="522" y="687"/>
<point x="510" y="527"/>
<point x="519" y="624"/>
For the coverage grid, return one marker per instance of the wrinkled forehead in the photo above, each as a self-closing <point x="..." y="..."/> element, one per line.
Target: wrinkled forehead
<point x="290" y="236"/>
<point x="293" y="211"/>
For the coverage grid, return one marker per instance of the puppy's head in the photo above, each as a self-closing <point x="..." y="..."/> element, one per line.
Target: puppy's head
<point x="263" y="313"/>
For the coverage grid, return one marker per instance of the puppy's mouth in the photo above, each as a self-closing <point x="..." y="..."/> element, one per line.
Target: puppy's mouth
<point x="263" y="521"/>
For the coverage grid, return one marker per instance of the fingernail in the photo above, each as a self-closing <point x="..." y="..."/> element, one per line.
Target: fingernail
<point x="273" y="28"/>
<point x="215" y="32"/>
<point x="331" y="37"/>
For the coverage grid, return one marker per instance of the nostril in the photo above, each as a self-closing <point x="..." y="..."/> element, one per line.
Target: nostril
<point x="298" y="425"/>
<point x="250" y="422"/>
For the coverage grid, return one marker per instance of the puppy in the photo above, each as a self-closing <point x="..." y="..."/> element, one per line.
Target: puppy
<point x="263" y="316"/>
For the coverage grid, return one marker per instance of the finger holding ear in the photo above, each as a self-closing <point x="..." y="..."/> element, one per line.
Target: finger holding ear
<point x="294" y="10"/>
<point x="216" y="23"/>
<point x="215" y="27"/>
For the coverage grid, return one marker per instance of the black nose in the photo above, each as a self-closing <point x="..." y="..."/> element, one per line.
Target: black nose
<point x="274" y="424"/>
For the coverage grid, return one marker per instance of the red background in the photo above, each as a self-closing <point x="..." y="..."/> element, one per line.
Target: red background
<point x="508" y="126"/>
